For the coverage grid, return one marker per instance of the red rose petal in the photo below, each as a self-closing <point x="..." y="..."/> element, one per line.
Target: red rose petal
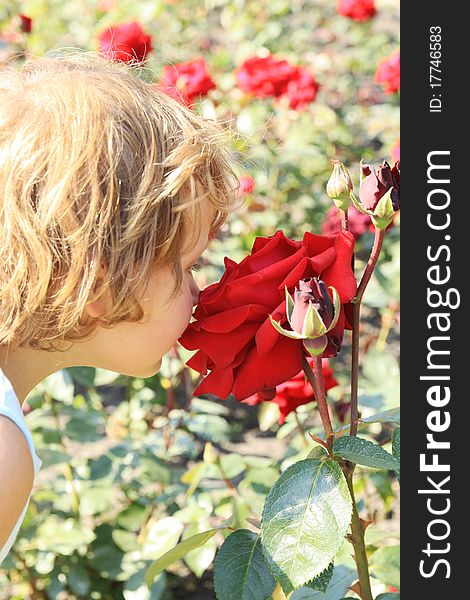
<point x="219" y="382"/>
<point x="339" y="274"/>
<point x="267" y="336"/>
<point x="228" y="320"/>
<point x="262" y="372"/>
<point x="198" y="362"/>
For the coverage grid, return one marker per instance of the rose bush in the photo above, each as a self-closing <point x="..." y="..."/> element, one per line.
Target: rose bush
<point x="234" y="337"/>
<point x="268" y="76"/>
<point x="388" y="73"/>
<point x="187" y="81"/>
<point x="295" y="392"/>
<point x="358" y="10"/>
<point x="358" y="223"/>
<point x="125" y="42"/>
<point x="247" y="184"/>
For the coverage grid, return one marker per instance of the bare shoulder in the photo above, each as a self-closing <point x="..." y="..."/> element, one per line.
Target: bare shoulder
<point x="16" y="475"/>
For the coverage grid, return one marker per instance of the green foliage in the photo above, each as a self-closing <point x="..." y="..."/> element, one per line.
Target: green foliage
<point x="305" y="518"/>
<point x="241" y="572"/>
<point x="177" y="552"/>
<point x="385" y="565"/>
<point x="363" y="452"/>
<point x="125" y="486"/>
<point x="396" y="448"/>
<point x="341" y="579"/>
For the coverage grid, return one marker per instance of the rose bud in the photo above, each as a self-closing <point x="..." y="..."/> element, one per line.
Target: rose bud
<point x="311" y="314"/>
<point x="339" y="186"/>
<point x="379" y="193"/>
<point x="26" y="24"/>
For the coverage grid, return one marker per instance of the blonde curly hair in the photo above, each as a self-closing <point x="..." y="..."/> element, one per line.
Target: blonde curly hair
<point x="99" y="179"/>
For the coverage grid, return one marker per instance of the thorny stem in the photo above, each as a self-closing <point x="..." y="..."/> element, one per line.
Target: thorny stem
<point x="315" y="378"/>
<point x="344" y="220"/>
<point x="357" y="540"/>
<point x="374" y="255"/>
<point x="356" y="316"/>
<point x="356" y="320"/>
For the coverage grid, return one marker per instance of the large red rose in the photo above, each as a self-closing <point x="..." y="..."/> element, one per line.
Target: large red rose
<point x="295" y="392"/>
<point x="187" y="81"/>
<point x="388" y="73"/>
<point x="125" y="42"/>
<point x="234" y="337"/>
<point x="358" y="10"/>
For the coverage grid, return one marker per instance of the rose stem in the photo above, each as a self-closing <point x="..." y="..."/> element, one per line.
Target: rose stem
<point x="357" y="533"/>
<point x="315" y="378"/>
<point x="356" y="314"/>
<point x="344" y="219"/>
<point x="374" y="255"/>
<point x="357" y="540"/>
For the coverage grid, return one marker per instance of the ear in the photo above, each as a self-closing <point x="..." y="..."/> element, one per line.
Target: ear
<point x="95" y="308"/>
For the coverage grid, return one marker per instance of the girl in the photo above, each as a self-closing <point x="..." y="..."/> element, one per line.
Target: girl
<point x="109" y="192"/>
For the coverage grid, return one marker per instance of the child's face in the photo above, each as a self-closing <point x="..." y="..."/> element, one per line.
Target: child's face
<point x="136" y="349"/>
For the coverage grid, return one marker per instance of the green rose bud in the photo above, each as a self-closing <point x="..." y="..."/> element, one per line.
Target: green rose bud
<point x="339" y="186"/>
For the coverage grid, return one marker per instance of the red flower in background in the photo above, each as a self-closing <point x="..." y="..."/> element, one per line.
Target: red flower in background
<point x="359" y="10"/>
<point x="187" y="81"/>
<point x="301" y="89"/>
<point x="26" y="24"/>
<point x="247" y="184"/>
<point x="388" y="73"/>
<point x="295" y="392"/>
<point x="125" y="42"/>
<point x="267" y="76"/>
<point x="358" y="223"/>
<point x="234" y="337"/>
<point x="264" y="76"/>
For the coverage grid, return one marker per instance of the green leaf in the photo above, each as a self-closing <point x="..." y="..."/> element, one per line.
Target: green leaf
<point x="241" y="572"/>
<point x="62" y="536"/>
<point x="161" y="537"/>
<point x="305" y="518"/>
<point x="385" y="565"/>
<point x="387" y="416"/>
<point x="321" y="582"/>
<point x="132" y="517"/>
<point x="363" y="452"/>
<point x="78" y="580"/>
<point x="60" y="386"/>
<point x="389" y="596"/>
<point x="177" y="553"/>
<point x="396" y="448"/>
<point x="83" y="375"/>
<point x="199" y="559"/>
<point x="342" y="578"/>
